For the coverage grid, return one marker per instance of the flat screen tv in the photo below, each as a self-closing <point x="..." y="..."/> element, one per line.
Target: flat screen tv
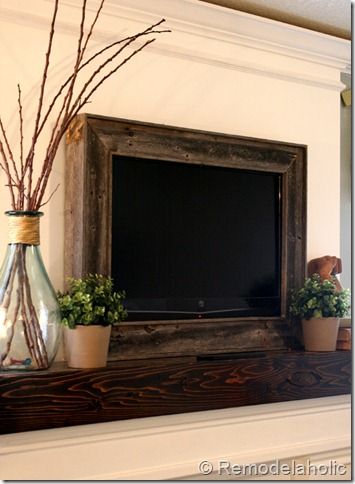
<point x="205" y="231"/>
<point x="195" y="241"/>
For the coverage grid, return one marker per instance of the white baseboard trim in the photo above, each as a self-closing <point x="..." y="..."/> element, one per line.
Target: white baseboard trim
<point x="172" y="446"/>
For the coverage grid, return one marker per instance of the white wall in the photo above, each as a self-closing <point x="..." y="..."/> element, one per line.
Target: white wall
<point x="218" y="70"/>
<point x="345" y="186"/>
<point x="221" y="71"/>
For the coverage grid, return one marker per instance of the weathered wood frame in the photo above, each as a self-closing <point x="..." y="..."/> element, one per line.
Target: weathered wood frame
<point x="91" y="143"/>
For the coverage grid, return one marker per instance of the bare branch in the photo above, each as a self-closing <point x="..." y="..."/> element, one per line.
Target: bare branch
<point x="92" y="28"/>
<point x="104" y="78"/>
<point x="21" y="147"/>
<point x="101" y="67"/>
<point x="9" y="150"/>
<point x="5" y="167"/>
<point x="50" y="196"/>
<point x="47" y="167"/>
<point x="80" y="53"/>
<point x="65" y="107"/>
<point x="67" y="110"/>
<point x="59" y="131"/>
<point x="148" y="31"/>
<point x="29" y="160"/>
<point x="21" y="126"/>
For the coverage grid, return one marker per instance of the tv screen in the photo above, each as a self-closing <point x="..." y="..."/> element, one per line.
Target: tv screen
<point x="195" y="241"/>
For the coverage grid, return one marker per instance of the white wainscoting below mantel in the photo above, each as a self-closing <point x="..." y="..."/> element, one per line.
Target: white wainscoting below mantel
<point x="171" y="447"/>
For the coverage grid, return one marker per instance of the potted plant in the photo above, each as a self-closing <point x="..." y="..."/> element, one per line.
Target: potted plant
<point x="320" y="305"/>
<point x="89" y="308"/>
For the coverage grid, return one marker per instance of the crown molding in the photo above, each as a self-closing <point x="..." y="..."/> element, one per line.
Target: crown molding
<point x="221" y="37"/>
<point x="233" y="26"/>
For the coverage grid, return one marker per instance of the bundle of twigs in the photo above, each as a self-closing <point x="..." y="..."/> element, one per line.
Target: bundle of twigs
<point x="24" y="191"/>
<point x="88" y="74"/>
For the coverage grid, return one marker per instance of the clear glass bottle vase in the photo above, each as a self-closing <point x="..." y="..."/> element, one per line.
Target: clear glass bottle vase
<point x="29" y="312"/>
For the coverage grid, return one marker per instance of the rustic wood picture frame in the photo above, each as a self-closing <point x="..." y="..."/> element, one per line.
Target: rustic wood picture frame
<point x="91" y="143"/>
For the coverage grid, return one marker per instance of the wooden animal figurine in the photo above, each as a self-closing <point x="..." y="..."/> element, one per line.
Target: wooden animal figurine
<point x="327" y="267"/>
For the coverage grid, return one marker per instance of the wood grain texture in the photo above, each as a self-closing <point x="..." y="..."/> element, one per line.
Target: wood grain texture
<point x="219" y="336"/>
<point x="64" y="397"/>
<point x="88" y="244"/>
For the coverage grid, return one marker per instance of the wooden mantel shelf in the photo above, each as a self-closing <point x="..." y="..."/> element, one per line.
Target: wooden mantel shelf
<point x="63" y="397"/>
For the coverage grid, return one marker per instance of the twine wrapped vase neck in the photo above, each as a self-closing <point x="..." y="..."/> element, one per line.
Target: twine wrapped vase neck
<point x="23" y="227"/>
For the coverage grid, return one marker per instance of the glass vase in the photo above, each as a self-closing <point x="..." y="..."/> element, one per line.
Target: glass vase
<point x="29" y="312"/>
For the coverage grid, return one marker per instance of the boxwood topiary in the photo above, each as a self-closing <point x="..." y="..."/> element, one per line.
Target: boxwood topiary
<point x="91" y="300"/>
<point x="320" y="299"/>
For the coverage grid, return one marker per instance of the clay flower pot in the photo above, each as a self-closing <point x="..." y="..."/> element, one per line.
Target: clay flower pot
<point x="320" y="334"/>
<point x="87" y="346"/>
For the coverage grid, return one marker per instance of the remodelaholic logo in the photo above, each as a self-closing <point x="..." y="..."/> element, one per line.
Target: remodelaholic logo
<point x="276" y="468"/>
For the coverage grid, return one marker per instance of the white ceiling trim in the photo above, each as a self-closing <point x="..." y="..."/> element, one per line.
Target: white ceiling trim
<point x="331" y="17"/>
<point x="223" y="24"/>
<point x="253" y="68"/>
<point x="221" y="37"/>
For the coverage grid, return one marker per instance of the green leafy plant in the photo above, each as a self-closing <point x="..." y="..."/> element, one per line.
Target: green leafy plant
<point x="91" y="300"/>
<point x="320" y="299"/>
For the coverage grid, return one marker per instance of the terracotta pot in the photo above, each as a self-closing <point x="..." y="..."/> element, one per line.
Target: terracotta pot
<point x="320" y="334"/>
<point x="87" y="346"/>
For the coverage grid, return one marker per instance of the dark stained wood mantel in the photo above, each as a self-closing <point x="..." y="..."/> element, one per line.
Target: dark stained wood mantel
<point x="63" y="397"/>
